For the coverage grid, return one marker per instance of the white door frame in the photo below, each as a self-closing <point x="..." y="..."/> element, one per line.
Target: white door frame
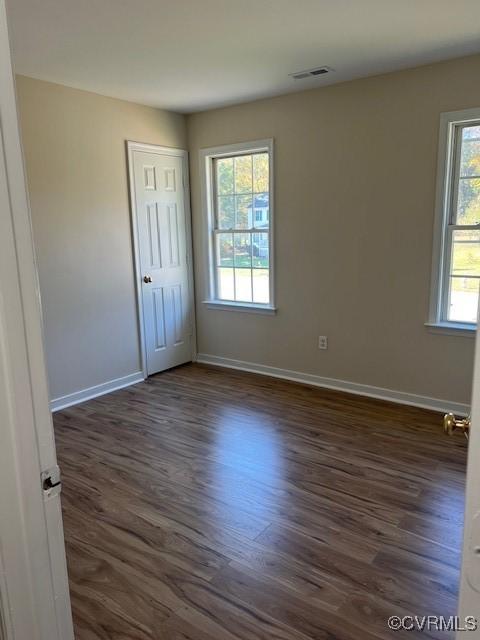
<point x="34" y="594"/>
<point x="178" y="153"/>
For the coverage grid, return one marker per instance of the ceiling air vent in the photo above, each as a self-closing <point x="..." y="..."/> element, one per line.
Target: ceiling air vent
<point x="309" y="73"/>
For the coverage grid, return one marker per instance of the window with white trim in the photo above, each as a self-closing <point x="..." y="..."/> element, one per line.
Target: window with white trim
<point x="456" y="268"/>
<point x="239" y="208"/>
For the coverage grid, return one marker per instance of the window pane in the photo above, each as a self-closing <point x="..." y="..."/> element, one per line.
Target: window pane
<point x="243" y="250"/>
<point x="260" y="250"/>
<point x="243" y="174"/>
<point x="261" y="286"/>
<point x="468" y="206"/>
<point x="243" y="285"/>
<point x="226" y="287"/>
<point x="471" y="132"/>
<point x="261" y="209"/>
<point x="225" y="250"/>
<point x="260" y="172"/>
<point x="226" y="212"/>
<point x="463" y="300"/>
<point x="466" y="253"/>
<point x="225" y="184"/>
<point x="470" y="158"/>
<point x="243" y="212"/>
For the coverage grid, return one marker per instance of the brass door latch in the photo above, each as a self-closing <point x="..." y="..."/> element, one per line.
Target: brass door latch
<point x="451" y="424"/>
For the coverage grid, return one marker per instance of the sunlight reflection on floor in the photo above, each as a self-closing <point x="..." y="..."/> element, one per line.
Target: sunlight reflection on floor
<point x="250" y="452"/>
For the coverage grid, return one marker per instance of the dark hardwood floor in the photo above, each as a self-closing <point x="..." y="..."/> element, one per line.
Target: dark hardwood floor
<point x="207" y="504"/>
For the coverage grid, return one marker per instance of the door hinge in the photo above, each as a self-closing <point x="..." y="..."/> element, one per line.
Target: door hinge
<point x="51" y="482"/>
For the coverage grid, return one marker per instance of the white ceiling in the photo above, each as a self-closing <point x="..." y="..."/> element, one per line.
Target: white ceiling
<point x="191" y="55"/>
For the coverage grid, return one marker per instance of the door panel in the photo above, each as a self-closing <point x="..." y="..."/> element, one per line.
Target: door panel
<point x="469" y="602"/>
<point x="159" y="319"/>
<point x="173" y="241"/>
<point x="153" y="229"/>
<point x="33" y="580"/>
<point x="178" y="320"/>
<point x="164" y="270"/>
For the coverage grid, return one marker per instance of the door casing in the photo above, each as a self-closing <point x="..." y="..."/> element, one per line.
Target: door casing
<point x="133" y="146"/>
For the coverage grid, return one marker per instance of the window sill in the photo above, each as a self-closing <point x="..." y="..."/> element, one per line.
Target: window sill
<point x="452" y="329"/>
<point x="240" y="306"/>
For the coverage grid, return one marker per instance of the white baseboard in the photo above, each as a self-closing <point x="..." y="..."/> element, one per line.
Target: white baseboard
<point x="400" y="397"/>
<point x="93" y="392"/>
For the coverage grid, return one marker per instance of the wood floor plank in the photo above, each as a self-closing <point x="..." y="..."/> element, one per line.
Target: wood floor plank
<point x="142" y="544"/>
<point x="395" y="586"/>
<point x="285" y="606"/>
<point x="178" y="628"/>
<point x="206" y="504"/>
<point x="371" y="612"/>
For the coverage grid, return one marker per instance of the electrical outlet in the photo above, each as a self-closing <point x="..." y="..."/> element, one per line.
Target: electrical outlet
<point x="322" y="342"/>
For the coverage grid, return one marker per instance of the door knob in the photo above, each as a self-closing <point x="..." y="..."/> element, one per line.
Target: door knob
<point x="147" y="279"/>
<point x="451" y="423"/>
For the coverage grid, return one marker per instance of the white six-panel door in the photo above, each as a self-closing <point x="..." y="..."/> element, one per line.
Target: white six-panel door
<point x="160" y="216"/>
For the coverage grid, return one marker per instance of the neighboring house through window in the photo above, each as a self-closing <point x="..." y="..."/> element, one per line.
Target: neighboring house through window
<point x="239" y="205"/>
<point x="456" y="259"/>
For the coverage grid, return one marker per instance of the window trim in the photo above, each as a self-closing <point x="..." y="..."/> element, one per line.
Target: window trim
<point x="447" y="162"/>
<point x="207" y="156"/>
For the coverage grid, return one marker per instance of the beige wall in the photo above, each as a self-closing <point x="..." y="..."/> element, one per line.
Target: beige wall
<point x="354" y="179"/>
<point x="74" y="144"/>
<point x="355" y="169"/>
